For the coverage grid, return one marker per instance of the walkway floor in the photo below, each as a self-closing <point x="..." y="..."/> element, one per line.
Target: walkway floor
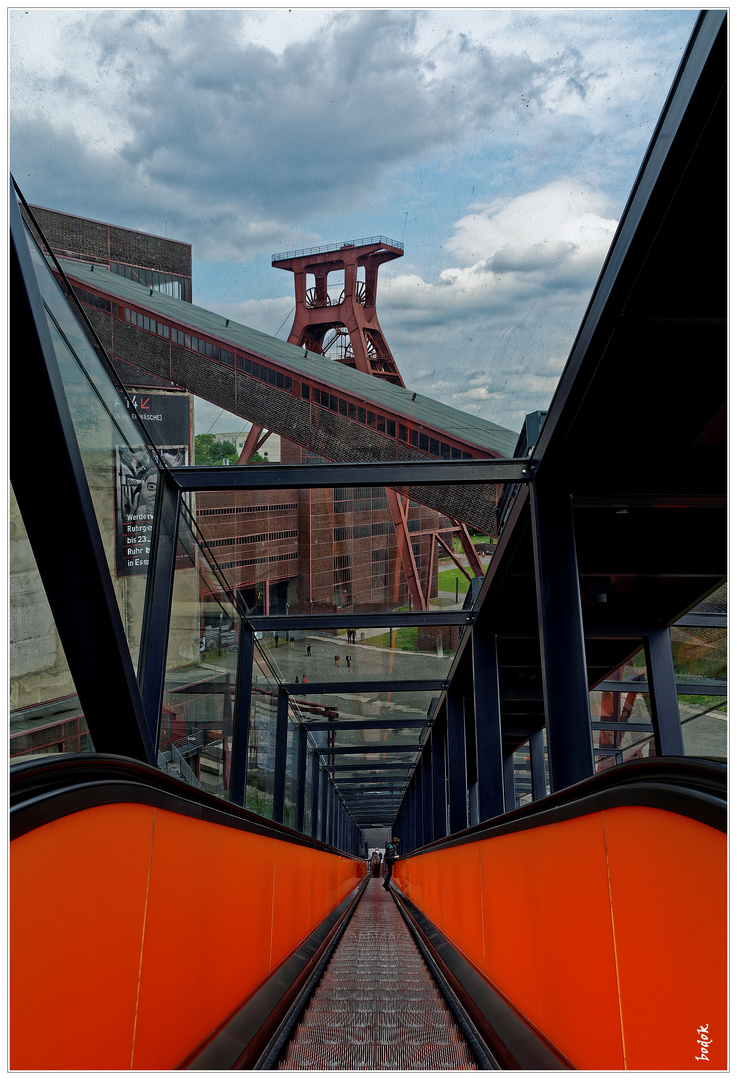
<point x="377" y="1005"/>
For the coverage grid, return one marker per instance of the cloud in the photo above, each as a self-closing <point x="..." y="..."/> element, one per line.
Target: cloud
<point x="500" y="144"/>
<point x="201" y="114"/>
<point x="510" y="307"/>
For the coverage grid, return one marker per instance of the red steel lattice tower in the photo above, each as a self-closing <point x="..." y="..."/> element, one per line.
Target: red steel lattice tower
<point x="342" y="324"/>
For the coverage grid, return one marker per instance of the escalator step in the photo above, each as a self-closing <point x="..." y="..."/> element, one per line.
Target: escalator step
<point x="377" y="1005"/>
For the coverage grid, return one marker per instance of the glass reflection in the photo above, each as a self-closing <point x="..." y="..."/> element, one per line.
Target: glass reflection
<point x="196" y="729"/>
<point x="45" y="714"/>
<point x="349" y="550"/>
<point x="120" y="471"/>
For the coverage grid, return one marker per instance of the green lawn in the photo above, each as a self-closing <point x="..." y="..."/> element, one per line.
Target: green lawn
<point x="447" y="581"/>
<point x="403" y="637"/>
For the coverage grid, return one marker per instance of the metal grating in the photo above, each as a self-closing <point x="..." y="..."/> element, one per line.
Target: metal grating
<point x="377" y="1005"/>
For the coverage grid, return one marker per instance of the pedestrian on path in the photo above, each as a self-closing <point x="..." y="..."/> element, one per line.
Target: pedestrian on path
<point x="309" y="650"/>
<point x="336" y="660"/>
<point x="291" y="641"/>
<point x="348" y="661"/>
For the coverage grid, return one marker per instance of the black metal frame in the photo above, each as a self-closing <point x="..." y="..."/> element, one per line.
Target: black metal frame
<point x="542" y="514"/>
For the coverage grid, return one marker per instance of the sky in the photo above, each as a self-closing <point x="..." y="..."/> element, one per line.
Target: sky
<point x="499" y="146"/>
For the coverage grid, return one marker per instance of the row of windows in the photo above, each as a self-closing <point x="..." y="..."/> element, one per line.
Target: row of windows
<point x="95" y="301"/>
<point x="359" y="506"/>
<point x="287" y="557"/>
<point x="379" y="569"/>
<point x="254" y="538"/>
<point x="384" y="425"/>
<point x="265" y="374"/>
<point x="358" y="492"/>
<point x="356" y="532"/>
<point x="146" y="323"/>
<point x="246" y="510"/>
<point x="176" y="285"/>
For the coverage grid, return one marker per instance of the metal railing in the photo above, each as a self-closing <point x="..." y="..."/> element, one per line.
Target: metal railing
<point x="337" y="247"/>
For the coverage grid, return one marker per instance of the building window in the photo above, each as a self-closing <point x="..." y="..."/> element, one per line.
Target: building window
<point x="342" y="577"/>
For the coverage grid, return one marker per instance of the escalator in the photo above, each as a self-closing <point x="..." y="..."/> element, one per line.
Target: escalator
<point x="191" y="934"/>
<point x="377" y="1005"/>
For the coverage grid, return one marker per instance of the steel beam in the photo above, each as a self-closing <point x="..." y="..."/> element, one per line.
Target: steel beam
<point x="398" y="475"/>
<point x="367" y="725"/>
<point x="301" y="751"/>
<point x="488" y="719"/>
<point x="371" y="748"/>
<point x="663" y="694"/>
<point x="157" y="604"/>
<point x="324" y="783"/>
<point x="255" y="438"/>
<point x="360" y="621"/>
<point x="510" y="791"/>
<point x="537" y="765"/>
<point x="716" y="687"/>
<point x="398" y="510"/>
<point x="315" y="793"/>
<point x="457" y="781"/>
<point x="242" y="717"/>
<point x="438" y="751"/>
<point x="562" y="649"/>
<point x="427" y="814"/>
<point x="280" y="755"/>
<point x="372" y="686"/>
<point x="71" y="560"/>
<point x="370" y="765"/>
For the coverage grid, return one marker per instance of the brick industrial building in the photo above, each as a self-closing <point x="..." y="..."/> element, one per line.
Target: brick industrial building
<point x="308" y="552"/>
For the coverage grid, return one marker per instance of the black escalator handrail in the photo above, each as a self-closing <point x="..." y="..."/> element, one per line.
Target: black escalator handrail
<point x="692" y="787"/>
<point x="44" y="790"/>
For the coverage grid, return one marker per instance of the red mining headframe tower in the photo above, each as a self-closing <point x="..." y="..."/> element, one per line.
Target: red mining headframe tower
<point x="342" y="324"/>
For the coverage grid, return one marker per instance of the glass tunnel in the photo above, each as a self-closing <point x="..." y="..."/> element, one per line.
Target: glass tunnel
<point x="542" y="724"/>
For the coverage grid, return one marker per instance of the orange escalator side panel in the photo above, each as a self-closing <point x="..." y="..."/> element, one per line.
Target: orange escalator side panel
<point x="547" y="925"/>
<point x="669" y="893"/>
<point x="208" y="933"/>
<point x="77" y="907"/>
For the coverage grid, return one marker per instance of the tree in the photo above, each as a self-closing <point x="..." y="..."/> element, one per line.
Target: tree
<point x="208" y="450"/>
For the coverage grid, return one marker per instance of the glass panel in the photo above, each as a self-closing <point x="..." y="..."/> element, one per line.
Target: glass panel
<point x="699" y="653"/>
<point x="45" y="714"/>
<point x="333" y="550"/>
<point x="716" y="604"/>
<point x="291" y="786"/>
<point x="195" y="739"/>
<point x="391" y="653"/>
<point x="121" y="474"/>
<point x="617" y="745"/>
<point x="704" y="726"/>
<point x="262" y="740"/>
<point x="522" y="775"/>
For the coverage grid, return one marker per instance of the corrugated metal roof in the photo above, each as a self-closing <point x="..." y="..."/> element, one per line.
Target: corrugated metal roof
<point x="397" y="399"/>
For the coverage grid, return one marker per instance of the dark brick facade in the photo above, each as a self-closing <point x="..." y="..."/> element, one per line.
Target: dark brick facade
<point x="318" y="430"/>
<point x="97" y="242"/>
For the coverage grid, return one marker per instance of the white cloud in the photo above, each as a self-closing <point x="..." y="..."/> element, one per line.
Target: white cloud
<point x="509" y="308"/>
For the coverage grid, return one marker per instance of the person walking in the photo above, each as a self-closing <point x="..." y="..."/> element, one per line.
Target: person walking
<point x="348" y="661"/>
<point x="309" y="650"/>
<point x="336" y="660"/>
<point x="291" y="641"/>
<point x="391" y="855"/>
